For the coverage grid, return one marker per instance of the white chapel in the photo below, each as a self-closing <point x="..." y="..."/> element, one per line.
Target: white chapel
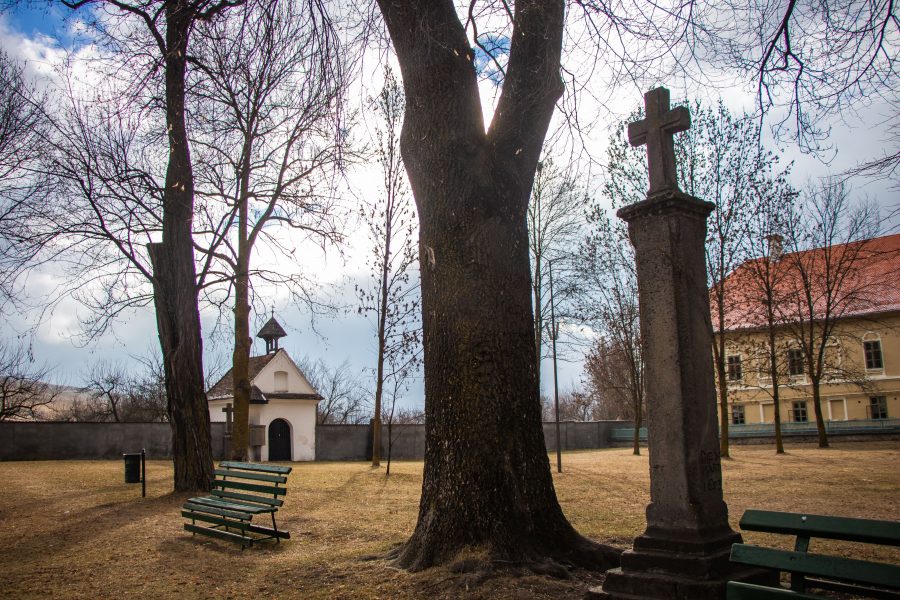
<point x="282" y="403"/>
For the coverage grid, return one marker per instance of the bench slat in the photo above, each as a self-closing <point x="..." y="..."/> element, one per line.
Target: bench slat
<point x="255" y="467"/>
<point x="200" y="507"/>
<point x="252" y="509"/>
<point x="198" y="516"/>
<point x="269" y="531"/>
<point x="737" y="590"/>
<point x="247" y="497"/>
<point x="250" y="487"/>
<point x="243" y="540"/>
<point x="250" y="475"/>
<point x="850" y="588"/>
<point x="822" y="526"/>
<point x="829" y="567"/>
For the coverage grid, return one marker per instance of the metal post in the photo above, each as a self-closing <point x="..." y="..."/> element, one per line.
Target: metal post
<point x="143" y="473"/>
<point x="554" y="333"/>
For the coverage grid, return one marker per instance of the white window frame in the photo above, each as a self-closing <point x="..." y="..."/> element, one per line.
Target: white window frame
<point x="872" y="336"/>
<point x="801" y="378"/>
<point x="805" y="411"/>
<point x="740" y="362"/>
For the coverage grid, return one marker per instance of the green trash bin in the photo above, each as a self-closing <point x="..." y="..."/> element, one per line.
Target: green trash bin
<point x="132" y="467"/>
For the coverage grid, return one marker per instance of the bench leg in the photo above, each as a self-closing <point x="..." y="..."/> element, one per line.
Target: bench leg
<point x="275" y="528"/>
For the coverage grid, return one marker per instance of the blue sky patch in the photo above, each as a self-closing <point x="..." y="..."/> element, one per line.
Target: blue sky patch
<point x="496" y="50"/>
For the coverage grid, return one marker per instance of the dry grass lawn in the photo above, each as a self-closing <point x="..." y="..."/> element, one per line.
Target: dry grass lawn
<point x="72" y="529"/>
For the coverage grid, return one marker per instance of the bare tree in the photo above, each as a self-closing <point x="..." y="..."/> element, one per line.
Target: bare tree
<point x="107" y="383"/>
<point x="615" y="364"/>
<point x="162" y="29"/>
<point x="112" y="392"/>
<point x="757" y="288"/>
<point x="831" y="244"/>
<point x="24" y="389"/>
<point x="147" y="397"/>
<point x="809" y="59"/>
<point x="726" y="163"/>
<point x="394" y="295"/>
<point x="268" y="134"/>
<point x="343" y="393"/>
<point x="555" y="227"/>
<point x="22" y="121"/>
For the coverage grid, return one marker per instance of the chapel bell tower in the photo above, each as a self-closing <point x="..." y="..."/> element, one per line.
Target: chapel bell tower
<point x="271" y="332"/>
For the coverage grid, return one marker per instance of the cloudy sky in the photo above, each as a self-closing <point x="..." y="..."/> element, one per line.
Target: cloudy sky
<point x="42" y="37"/>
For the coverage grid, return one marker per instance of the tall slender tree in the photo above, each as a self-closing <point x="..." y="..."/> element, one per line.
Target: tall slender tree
<point x="266" y="113"/>
<point x="763" y="288"/>
<point x="830" y="244"/>
<point x="394" y="297"/>
<point x="169" y="24"/>
<point x="615" y="364"/>
<point x="555" y="227"/>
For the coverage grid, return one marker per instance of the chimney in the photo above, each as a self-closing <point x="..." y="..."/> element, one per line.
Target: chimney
<point x="776" y="246"/>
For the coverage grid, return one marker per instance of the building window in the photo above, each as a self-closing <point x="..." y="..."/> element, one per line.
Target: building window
<point x="735" y="372"/>
<point x="872" y="351"/>
<point x="799" y="412"/>
<point x="281" y="381"/>
<point x="737" y="414"/>
<point x="795" y="362"/>
<point x="878" y="407"/>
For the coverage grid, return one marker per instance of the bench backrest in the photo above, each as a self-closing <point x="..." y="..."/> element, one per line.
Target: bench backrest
<point x="823" y="527"/>
<point x="822" y="571"/>
<point x="251" y="482"/>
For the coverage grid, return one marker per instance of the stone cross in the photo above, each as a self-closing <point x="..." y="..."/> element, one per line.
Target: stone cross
<point x="657" y="131"/>
<point x="228" y="410"/>
<point x="684" y="552"/>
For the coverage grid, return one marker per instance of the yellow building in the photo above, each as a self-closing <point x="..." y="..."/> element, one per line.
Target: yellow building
<point x="861" y="377"/>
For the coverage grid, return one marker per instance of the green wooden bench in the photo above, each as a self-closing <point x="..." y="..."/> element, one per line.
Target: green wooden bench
<point x="240" y="490"/>
<point x="817" y="571"/>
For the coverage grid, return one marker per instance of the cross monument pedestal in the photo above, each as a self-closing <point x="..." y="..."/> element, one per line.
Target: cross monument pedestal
<point x="683" y="554"/>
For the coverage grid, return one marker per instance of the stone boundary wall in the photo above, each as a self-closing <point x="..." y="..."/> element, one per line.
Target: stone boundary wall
<point x="70" y="441"/>
<point x="353" y="442"/>
<point x="63" y="440"/>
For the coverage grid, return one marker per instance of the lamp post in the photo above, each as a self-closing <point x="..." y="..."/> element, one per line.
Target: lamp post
<point x="553" y="333"/>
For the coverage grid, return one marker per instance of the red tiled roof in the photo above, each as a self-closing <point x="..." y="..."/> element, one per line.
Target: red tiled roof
<point x="224" y="387"/>
<point x="869" y="285"/>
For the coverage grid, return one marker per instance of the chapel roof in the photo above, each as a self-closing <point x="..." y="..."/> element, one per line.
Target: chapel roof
<point x="224" y="387"/>
<point x="272" y="329"/>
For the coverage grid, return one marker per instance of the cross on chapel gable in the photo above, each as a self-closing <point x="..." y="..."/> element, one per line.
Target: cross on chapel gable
<point x="657" y="131"/>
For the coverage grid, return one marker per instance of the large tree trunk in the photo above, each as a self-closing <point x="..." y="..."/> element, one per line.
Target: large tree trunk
<point x="175" y="281"/>
<point x="487" y="481"/>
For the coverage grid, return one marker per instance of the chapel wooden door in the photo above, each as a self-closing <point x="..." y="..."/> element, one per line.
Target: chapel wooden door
<point x="279" y="440"/>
